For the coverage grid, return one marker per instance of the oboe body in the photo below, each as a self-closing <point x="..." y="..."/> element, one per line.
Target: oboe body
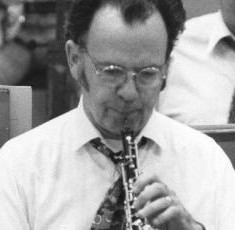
<point x="130" y="173"/>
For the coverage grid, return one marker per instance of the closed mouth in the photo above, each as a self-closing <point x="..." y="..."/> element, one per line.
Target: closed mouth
<point x="125" y="113"/>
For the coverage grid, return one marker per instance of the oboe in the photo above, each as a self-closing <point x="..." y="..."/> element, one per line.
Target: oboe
<point x="130" y="172"/>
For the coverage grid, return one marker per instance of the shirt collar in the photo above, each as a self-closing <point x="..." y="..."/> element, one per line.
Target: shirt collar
<point x="85" y="131"/>
<point x="218" y="32"/>
<point x="155" y="129"/>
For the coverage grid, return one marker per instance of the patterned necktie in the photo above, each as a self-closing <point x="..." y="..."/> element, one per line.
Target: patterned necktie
<point x="111" y="213"/>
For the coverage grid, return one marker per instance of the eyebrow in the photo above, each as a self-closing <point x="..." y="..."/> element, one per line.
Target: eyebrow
<point x="138" y="68"/>
<point x="109" y="63"/>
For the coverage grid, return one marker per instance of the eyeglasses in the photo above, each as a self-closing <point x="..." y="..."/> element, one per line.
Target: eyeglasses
<point x="116" y="75"/>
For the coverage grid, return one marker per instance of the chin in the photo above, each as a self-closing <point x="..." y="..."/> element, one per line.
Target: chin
<point x="131" y="125"/>
<point x="116" y="125"/>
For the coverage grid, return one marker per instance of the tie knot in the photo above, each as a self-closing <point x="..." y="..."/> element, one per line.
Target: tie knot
<point x="116" y="157"/>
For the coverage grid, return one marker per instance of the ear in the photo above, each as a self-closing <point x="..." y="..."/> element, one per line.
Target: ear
<point x="75" y="59"/>
<point x="165" y="73"/>
<point x="163" y="83"/>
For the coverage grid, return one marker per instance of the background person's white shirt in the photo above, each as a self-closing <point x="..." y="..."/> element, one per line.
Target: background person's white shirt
<point x="201" y="78"/>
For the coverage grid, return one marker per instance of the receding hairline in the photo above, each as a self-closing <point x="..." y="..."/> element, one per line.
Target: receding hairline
<point x="117" y="9"/>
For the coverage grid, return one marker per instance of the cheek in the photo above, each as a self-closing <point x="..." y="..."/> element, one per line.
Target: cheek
<point x="150" y="97"/>
<point x="100" y="97"/>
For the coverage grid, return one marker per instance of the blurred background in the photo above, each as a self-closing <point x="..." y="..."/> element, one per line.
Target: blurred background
<point x="32" y="52"/>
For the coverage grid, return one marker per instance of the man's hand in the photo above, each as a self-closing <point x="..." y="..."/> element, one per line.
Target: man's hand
<point x="160" y="205"/>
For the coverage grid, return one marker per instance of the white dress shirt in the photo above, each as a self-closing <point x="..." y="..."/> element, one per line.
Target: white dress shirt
<point x="201" y="78"/>
<point x="51" y="178"/>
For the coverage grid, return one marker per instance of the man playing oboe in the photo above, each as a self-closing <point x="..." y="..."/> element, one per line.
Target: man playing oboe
<point x="66" y="173"/>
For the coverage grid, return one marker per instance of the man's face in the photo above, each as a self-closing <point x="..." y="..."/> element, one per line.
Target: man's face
<point x="111" y="41"/>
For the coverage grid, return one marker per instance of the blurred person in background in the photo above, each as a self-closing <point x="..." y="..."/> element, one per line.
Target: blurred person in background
<point x="14" y="57"/>
<point x="201" y="79"/>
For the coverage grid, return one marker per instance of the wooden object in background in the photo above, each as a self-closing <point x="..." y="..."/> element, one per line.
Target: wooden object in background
<point x="224" y="135"/>
<point x="20" y="108"/>
<point x="4" y="116"/>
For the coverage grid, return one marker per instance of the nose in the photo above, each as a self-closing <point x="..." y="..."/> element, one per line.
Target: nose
<point x="128" y="91"/>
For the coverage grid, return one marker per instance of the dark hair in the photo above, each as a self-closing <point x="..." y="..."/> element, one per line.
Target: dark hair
<point x="2" y="6"/>
<point x="82" y="12"/>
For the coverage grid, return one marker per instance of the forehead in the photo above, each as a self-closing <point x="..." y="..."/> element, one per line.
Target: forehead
<point x="109" y="35"/>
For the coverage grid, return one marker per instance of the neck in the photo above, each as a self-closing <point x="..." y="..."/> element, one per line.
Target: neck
<point x="104" y="132"/>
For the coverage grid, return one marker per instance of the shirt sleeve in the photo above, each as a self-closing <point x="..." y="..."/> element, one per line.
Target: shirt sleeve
<point x="13" y="214"/>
